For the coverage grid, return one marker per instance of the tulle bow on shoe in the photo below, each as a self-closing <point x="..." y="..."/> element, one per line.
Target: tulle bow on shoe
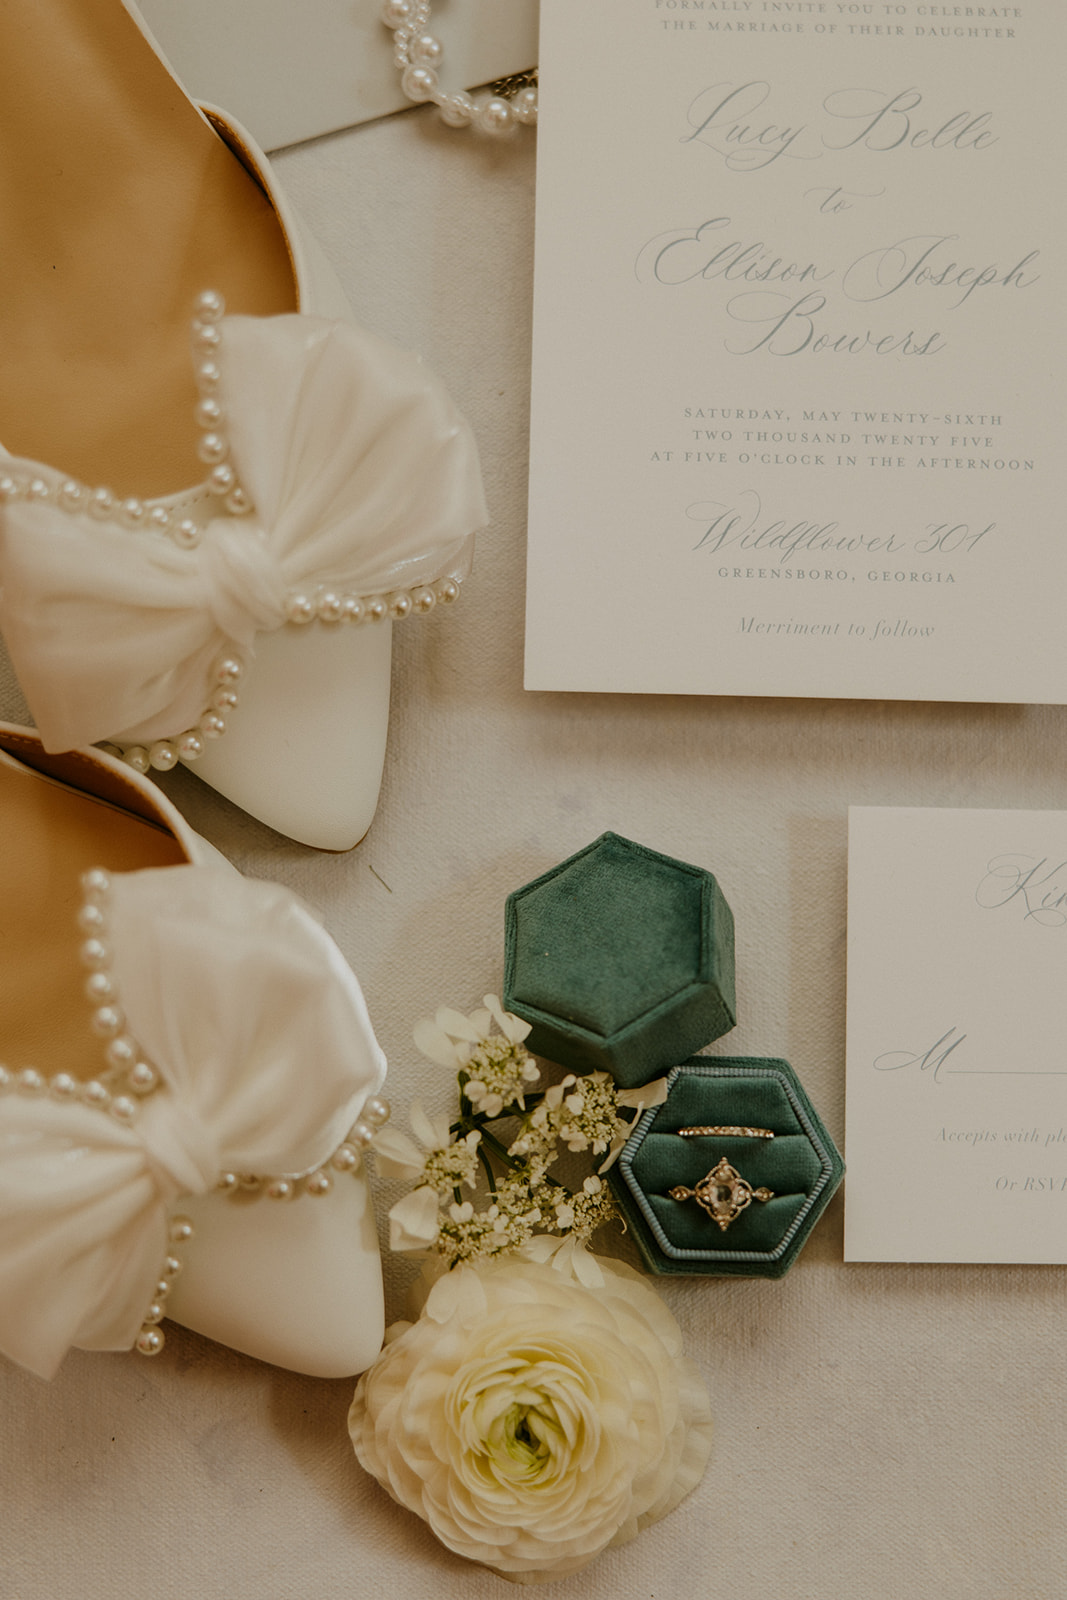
<point x="363" y="480"/>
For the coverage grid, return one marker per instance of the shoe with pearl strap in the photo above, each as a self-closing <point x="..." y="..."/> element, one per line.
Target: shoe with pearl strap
<point x="188" y="1077"/>
<point x="243" y="624"/>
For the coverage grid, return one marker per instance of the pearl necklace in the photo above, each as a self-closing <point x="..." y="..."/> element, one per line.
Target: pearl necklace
<point x="417" y="53"/>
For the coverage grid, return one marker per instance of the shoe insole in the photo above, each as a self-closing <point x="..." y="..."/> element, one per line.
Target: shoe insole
<point x="120" y="204"/>
<point x="50" y="835"/>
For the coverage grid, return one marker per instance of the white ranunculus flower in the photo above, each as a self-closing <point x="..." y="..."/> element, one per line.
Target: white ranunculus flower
<point x="534" y="1419"/>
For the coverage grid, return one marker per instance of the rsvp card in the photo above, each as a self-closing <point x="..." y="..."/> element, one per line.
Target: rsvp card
<point x="956" y="1119"/>
<point x="799" y="350"/>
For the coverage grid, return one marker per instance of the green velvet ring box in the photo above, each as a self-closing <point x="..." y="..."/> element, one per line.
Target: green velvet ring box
<point x="800" y="1166"/>
<point x="622" y="959"/>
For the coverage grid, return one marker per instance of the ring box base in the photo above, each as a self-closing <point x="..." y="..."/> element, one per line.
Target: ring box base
<point x="801" y="1165"/>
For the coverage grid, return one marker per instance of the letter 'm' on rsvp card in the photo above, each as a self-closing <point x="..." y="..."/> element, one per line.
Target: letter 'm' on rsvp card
<point x="799" y="350"/>
<point x="956" y="1118"/>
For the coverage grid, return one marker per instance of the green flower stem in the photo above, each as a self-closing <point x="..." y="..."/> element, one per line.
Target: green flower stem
<point x="500" y="1151"/>
<point x="477" y="1121"/>
<point x="487" y="1167"/>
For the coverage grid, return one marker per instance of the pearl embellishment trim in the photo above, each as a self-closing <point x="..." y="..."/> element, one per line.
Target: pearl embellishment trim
<point x="348" y="1157"/>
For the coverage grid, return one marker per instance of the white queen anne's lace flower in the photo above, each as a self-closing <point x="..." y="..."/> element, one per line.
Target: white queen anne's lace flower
<point x="581" y="1112"/>
<point x="505" y="1225"/>
<point x="440" y="1166"/>
<point x="534" y="1416"/>
<point x="497" y="1068"/>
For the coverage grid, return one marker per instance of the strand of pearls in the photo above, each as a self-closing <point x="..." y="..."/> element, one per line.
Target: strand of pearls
<point x="123" y="1058"/>
<point x="322" y="605"/>
<point x="188" y="746"/>
<point x="213" y="449"/>
<point x="417" y="54"/>
<point x="348" y="1157"/>
<point x="126" y="1079"/>
<point x="62" y="1086"/>
<point x="102" y="504"/>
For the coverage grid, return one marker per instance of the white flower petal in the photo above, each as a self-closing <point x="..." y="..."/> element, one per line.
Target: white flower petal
<point x="512" y="1027"/>
<point x="395" y="1329"/>
<point x="542" y="1247"/>
<point x="414" y="1222"/>
<point x="649" y="1094"/>
<point x="456" y="1024"/>
<point x="431" y="1132"/>
<point x="623" y="1131"/>
<point x="433" y="1042"/>
<point x="459" y="1294"/>
<point x="585" y="1266"/>
<point x="396" y="1155"/>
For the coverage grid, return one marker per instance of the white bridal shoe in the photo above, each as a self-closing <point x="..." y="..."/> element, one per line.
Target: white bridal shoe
<point x="244" y="624"/>
<point x="188" y="1076"/>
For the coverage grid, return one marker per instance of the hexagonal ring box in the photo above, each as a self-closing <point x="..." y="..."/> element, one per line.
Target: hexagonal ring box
<point x="622" y="959"/>
<point x="743" y="1203"/>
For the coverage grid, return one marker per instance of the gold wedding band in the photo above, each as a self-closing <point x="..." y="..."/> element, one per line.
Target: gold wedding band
<point x="722" y="1193"/>
<point x="739" y="1133"/>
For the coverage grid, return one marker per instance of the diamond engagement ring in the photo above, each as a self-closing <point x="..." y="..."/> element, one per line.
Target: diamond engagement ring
<point x="722" y="1193"/>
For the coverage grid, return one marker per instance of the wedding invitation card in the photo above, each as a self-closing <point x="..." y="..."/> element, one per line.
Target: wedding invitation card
<point x="799" y="350"/>
<point x="956" y="1115"/>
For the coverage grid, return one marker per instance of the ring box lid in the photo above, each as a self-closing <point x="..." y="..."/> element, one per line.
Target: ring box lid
<point x="621" y="959"/>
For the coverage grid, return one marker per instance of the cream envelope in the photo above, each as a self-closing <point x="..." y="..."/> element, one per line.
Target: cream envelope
<point x="293" y="69"/>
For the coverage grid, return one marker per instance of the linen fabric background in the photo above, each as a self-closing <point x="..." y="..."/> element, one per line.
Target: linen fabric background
<point x="881" y="1430"/>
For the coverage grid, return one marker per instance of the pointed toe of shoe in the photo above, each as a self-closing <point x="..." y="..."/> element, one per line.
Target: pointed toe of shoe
<point x="294" y="1282"/>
